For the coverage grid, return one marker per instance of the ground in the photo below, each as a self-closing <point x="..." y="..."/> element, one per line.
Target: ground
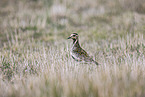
<point x="35" y="56"/>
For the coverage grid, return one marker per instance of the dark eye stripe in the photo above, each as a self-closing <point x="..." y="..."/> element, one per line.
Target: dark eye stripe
<point x="73" y="35"/>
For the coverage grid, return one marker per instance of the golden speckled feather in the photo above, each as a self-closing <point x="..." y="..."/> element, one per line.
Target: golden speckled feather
<point x="77" y="53"/>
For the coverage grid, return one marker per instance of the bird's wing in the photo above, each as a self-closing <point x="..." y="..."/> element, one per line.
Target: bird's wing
<point x="86" y="57"/>
<point x="81" y="55"/>
<point x="84" y="53"/>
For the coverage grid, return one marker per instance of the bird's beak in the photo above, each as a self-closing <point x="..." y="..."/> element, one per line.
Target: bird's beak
<point x="69" y="38"/>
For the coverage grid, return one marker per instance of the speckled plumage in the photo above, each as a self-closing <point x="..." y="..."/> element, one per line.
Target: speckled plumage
<point x="77" y="53"/>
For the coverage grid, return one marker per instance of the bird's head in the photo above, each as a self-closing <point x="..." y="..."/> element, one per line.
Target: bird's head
<point x="73" y="36"/>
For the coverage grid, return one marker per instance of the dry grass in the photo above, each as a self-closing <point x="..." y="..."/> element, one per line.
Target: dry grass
<point x="34" y="52"/>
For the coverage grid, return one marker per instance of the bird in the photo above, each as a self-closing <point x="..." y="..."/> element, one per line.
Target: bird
<point x="77" y="53"/>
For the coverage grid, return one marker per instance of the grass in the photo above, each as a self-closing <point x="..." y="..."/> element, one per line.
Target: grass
<point x="35" y="56"/>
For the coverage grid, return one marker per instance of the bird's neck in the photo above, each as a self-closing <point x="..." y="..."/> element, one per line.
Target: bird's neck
<point x="76" y="43"/>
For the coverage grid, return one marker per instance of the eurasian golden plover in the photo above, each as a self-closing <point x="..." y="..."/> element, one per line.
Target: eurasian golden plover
<point x="77" y="53"/>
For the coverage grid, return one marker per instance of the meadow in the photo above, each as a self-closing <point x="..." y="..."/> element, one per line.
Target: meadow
<point x="35" y="56"/>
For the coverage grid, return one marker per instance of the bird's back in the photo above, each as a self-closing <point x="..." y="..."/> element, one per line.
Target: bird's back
<point x="80" y="54"/>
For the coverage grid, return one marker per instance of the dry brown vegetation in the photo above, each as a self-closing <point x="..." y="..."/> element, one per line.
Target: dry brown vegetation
<point x="34" y="50"/>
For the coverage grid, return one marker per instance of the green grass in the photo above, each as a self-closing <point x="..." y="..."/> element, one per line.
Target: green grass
<point x="35" y="56"/>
